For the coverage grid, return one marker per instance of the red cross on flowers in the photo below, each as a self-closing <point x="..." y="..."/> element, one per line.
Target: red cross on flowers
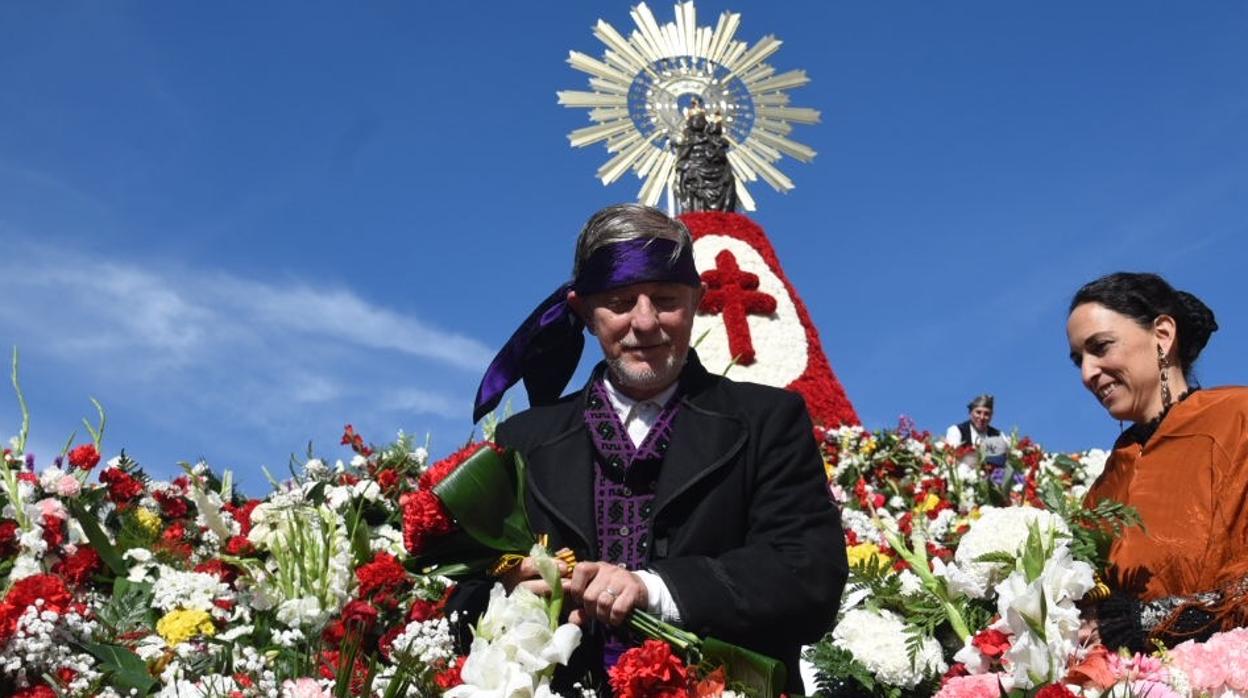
<point x="735" y="294"/>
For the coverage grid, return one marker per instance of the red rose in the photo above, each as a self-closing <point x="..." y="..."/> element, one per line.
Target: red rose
<point x="359" y="616"/>
<point x="85" y="457"/>
<point x="650" y="671"/>
<point x="991" y="643"/>
<point x="78" y="568"/>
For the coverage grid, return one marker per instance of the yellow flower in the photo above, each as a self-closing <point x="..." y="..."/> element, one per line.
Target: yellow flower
<point x="929" y="502"/>
<point x="865" y="552"/>
<point x="148" y="520"/>
<point x="868" y="447"/>
<point x="181" y="624"/>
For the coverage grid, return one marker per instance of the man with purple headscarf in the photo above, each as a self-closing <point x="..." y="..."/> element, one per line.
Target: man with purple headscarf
<point x="694" y="497"/>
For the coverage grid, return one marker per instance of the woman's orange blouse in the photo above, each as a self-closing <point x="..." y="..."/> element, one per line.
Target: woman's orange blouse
<point x="1189" y="483"/>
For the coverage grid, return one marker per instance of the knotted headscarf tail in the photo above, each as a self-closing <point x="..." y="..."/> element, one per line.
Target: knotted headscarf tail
<point x="546" y="348"/>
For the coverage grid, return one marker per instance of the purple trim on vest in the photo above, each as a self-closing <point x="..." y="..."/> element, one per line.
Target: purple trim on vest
<point x="624" y="479"/>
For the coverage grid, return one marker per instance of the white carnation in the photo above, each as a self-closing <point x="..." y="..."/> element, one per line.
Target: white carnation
<point x="877" y="640"/>
<point x="998" y="530"/>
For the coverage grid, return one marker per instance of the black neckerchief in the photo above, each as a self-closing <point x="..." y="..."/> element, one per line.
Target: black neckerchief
<point x="1141" y="432"/>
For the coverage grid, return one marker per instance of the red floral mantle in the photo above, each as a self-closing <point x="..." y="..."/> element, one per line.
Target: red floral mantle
<point x="825" y="398"/>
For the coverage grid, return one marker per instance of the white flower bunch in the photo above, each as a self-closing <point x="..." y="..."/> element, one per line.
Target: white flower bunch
<point x="877" y="640"/>
<point x="189" y="590"/>
<point x="43" y="642"/>
<point x="997" y="530"/>
<point x="426" y="641"/>
<point x="1047" y="604"/>
<point x="513" y="648"/>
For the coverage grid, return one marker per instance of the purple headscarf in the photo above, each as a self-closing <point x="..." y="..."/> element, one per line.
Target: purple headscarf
<point x="546" y="348"/>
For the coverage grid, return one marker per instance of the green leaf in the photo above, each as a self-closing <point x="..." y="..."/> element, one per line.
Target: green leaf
<point x="96" y="536"/>
<point x="997" y="557"/>
<point x="761" y="674"/>
<point x="126" y="668"/>
<point x="481" y="494"/>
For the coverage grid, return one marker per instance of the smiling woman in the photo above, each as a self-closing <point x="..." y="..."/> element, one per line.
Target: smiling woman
<point x="1183" y="463"/>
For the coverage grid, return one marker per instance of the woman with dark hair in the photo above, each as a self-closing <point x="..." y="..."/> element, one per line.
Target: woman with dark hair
<point x="1182" y="464"/>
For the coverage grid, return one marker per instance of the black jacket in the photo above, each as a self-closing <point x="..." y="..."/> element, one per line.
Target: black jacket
<point x="744" y="534"/>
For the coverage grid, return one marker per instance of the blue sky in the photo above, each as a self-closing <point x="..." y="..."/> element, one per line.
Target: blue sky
<point x="241" y="226"/>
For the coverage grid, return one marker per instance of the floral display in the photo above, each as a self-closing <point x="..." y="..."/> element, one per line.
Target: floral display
<point x="966" y="574"/>
<point x="966" y="579"/>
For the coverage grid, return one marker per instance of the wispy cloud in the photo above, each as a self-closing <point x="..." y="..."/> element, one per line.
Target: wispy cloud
<point x="267" y="364"/>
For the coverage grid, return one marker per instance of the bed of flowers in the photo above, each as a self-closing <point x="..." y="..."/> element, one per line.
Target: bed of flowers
<point x="967" y="574"/>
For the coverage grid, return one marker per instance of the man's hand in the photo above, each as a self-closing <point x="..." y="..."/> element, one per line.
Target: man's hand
<point x="605" y="592"/>
<point x="526" y="575"/>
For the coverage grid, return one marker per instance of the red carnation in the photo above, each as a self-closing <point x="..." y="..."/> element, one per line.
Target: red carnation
<point x="78" y="568"/>
<point x="991" y="643"/>
<point x="53" y="531"/>
<point x="438" y="471"/>
<point x="650" y="671"/>
<point x="8" y="538"/>
<point x="382" y="574"/>
<point x="242" y="513"/>
<point x="174" y="533"/>
<point x="123" y="488"/>
<point x="221" y="570"/>
<point x="26" y="592"/>
<point x="387" y="479"/>
<point x="173" y="505"/>
<point x="239" y="546"/>
<point x="85" y="457"/>
<point x="423" y="610"/>
<point x="958" y="669"/>
<point x="424" y="517"/>
<point x="450" y="678"/>
<point x="1055" y="690"/>
<point x="37" y="691"/>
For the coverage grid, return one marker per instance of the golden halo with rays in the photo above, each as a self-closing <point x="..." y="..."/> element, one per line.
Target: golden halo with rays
<point x="639" y="89"/>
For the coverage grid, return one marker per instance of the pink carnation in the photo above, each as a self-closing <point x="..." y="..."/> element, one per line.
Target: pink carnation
<point x="973" y="686"/>
<point x="68" y="486"/>
<point x="1221" y="661"/>
<point x="303" y="688"/>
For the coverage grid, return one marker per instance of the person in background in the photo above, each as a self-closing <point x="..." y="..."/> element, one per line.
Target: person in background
<point x="1182" y="464"/>
<point x="976" y="428"/>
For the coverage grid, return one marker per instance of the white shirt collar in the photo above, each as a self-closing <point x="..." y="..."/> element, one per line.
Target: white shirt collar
<point x="637" y="422"/>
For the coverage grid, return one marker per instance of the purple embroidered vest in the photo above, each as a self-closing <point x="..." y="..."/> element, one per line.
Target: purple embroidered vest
<point x="624" y="480"/>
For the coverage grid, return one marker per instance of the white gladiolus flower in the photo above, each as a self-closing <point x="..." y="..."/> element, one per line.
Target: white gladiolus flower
<point x="1048" y="602"/>
<point x="877" y="639"/>
<point x="305" y="611"/>
<point x="514" y="648"/>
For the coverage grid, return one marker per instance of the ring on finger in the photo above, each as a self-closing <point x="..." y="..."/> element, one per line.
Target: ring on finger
<point x="612" y="592"/>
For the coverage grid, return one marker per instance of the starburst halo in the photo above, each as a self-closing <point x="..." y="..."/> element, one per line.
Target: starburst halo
<point x="639" y="89"/>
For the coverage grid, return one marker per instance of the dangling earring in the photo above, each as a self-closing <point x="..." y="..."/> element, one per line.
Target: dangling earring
<point x="1163" y="364"/>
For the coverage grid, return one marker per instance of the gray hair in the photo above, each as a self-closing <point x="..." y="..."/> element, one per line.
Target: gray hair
<point x="628" y="222"/>
<point x="984" y="400"/>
